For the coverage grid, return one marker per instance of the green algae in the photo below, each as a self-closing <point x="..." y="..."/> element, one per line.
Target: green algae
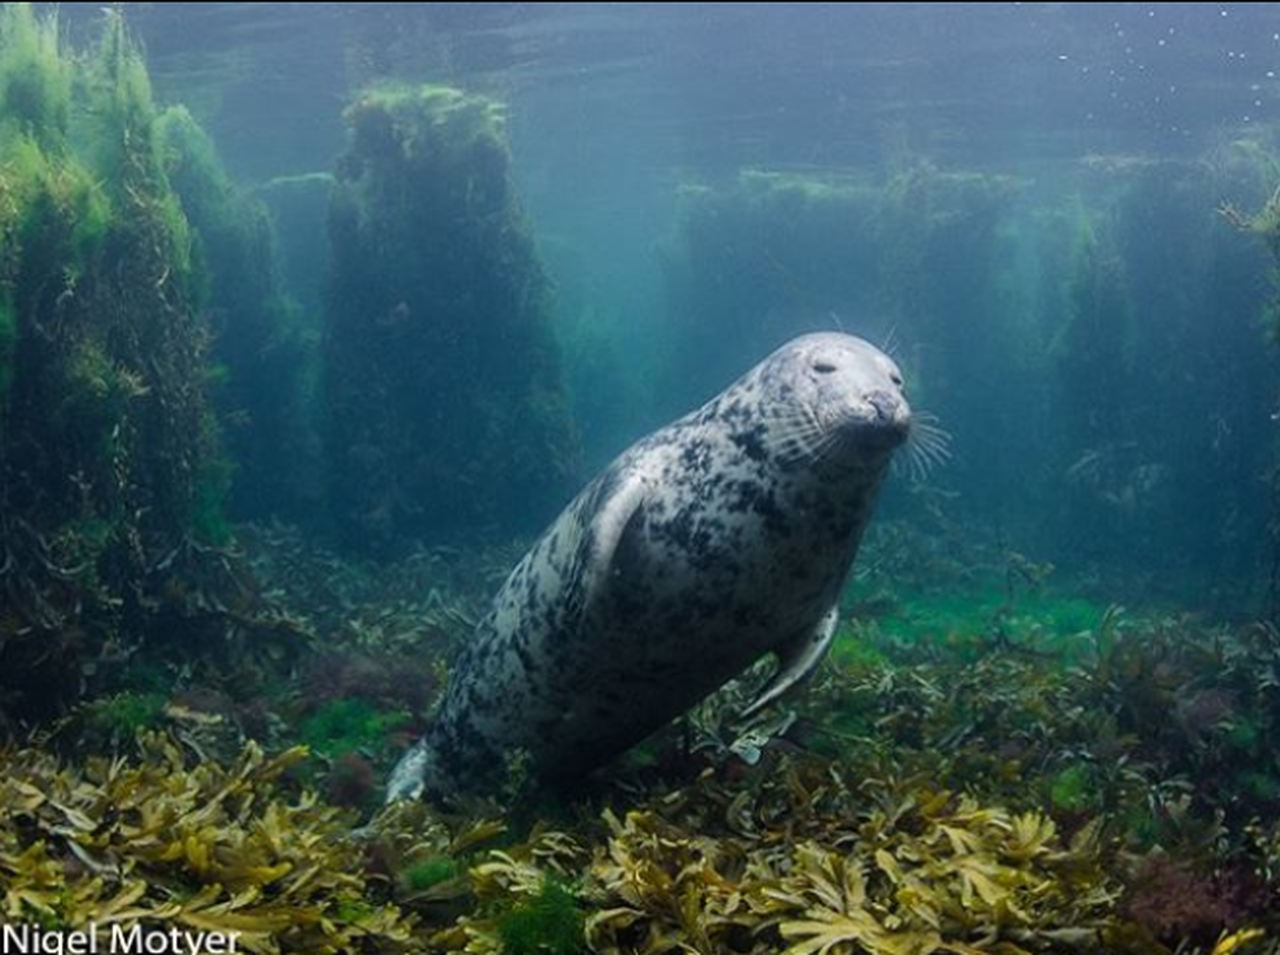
<point x="548" y="923"/>
<point x="435" y="271"/>
<point x="971" y="620"/>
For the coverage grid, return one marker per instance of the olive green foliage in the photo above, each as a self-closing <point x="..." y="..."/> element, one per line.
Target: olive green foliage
<point x="959" y="788"/>
<point x="898" y="873"/>
<point x="166" y="842"/>
<point x="121" y="717"/>
<point x="1043" y="774"/>
<point x="428" y="873"/>
<point x="1008" y="768"/>
<point x="35" y="78"/>
<point x="346" y="726"/>
<point x="104" y="418"/>
<point x="443" y="395"/>
<point x="549" y="923"/>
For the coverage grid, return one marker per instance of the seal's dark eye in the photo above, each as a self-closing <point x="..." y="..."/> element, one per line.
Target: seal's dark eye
<point x="823" y="367"/>
<point x="896" y="379"/>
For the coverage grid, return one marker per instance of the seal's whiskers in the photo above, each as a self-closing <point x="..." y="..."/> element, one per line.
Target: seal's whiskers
<point x="927" y="446"/>
<point x="800" y="435"/>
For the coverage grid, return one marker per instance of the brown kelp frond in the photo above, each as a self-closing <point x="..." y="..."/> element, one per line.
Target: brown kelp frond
<point x="897" y="815"/>
<point x="910" y="872"/>
<point x="197" y="847"/>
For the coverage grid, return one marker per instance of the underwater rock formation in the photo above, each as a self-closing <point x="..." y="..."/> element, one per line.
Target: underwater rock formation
<point x="109" y="461"/>
<point x="443" y="398"/>
<point x="755" y="258"/>
<point x="258" y="352"/>
<point x="1056" y="322"/>
<point x="751" y="257"/>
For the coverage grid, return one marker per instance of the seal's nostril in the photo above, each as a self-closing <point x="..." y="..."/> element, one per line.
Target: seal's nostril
<point x="884" y="403"/>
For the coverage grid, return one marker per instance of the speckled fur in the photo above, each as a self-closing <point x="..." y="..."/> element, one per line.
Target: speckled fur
<point x="701" y="548"/>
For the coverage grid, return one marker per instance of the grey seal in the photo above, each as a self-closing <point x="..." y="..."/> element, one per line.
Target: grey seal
<point x="724" y="536"/>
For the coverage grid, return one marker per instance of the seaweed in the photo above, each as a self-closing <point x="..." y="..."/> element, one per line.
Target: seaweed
<point x="901" y="872"/>
<point x="442" y="391"/>
<point x="920" y="798"/>
<point x="1073" y="789"/>
<point x="120" y="718"/>
<point x="429" y="873"/>
<point x="350" y="725"/>
<point x="548" y="923"/>
<point x="1175" y="903"/>
<point x="166" y="842"/>
<point x="113" y="477"/>
<point x="260" y="358"/>
<point x="35" y="78"/>
<point x="101" y="423"/>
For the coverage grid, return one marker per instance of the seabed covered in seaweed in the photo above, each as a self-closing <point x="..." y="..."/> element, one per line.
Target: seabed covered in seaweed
<point x="1048" y="774"/>
<point x="200" y="713"/>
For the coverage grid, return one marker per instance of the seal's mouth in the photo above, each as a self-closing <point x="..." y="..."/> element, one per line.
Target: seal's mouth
<point x="878" y="435"/>
<point x="879" y="420"/>
<point x="871" y="427"/>
<point x="883" y="422"/>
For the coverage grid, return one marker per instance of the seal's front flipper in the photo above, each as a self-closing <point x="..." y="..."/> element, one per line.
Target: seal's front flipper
<point x="797" y="662"/>
<point x="619" y="509"/>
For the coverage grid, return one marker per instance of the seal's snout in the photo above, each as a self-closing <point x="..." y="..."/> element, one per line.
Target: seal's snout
<point x="889" y="411"/>
<point x="883" y="419"/>
<point x="885" y="406"/>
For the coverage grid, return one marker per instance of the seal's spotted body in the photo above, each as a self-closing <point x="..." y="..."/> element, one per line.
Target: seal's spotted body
<point x="720" y="538"/>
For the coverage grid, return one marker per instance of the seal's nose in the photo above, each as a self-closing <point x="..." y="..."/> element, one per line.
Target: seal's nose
<point x="885" y="405"/>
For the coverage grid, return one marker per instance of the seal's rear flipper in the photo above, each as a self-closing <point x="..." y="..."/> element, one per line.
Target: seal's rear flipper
<point x="409" y="778"/>
<point x="797" y="662"/>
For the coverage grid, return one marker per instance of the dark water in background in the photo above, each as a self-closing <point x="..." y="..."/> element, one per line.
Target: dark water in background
<point x="1110" y="396"/>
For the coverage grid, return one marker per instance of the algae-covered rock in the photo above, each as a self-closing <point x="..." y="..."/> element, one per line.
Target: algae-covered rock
<point x="111" y="476"/>
<point x="758" y="257"/>
<point x="259" y="354"/>
<point x="443" y="392"/>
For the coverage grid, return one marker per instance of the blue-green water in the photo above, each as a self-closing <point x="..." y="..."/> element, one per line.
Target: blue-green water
<point x="1023" y="196"/>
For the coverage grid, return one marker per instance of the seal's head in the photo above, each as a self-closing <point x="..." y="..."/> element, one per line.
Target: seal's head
<point x="835" y="400"/>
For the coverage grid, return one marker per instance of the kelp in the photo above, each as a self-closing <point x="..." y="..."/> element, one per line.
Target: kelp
<point x="912" y="871"/>
<point x="112" y="476"/>
<point x="165" y="840"/>
<point x="916" y="799"/>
